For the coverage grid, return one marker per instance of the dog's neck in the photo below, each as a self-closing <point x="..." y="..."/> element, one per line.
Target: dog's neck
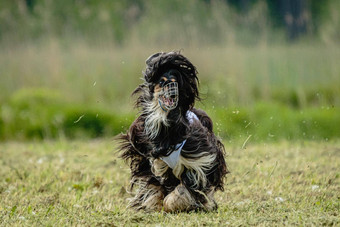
<point x="155" y="120"/>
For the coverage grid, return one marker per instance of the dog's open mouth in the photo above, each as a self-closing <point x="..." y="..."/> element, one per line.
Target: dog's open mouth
<point x="168" y="96"/>
<point x="168" y="101"/>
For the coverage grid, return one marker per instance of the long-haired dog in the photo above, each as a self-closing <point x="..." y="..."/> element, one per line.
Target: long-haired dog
<point x="176" y="161"/>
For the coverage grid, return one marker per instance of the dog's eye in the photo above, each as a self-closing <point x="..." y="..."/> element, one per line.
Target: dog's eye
<point x="161" y="82"/>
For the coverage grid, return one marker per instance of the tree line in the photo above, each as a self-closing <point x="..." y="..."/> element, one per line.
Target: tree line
<point x="35" y="18"/>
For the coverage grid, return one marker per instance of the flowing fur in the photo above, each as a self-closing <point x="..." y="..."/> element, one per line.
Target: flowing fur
<point x="155" y="117"/>
<point x="201" y="167"/>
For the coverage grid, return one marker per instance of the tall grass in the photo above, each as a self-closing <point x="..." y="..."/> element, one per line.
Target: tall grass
<point x="292" y="78"/>
<point x="298" y="75"/>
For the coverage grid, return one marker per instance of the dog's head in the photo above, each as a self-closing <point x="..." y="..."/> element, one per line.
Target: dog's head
<point x="172" y="81"/>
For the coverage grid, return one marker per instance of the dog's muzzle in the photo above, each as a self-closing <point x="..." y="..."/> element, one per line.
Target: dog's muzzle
<point x="168" y="96"/>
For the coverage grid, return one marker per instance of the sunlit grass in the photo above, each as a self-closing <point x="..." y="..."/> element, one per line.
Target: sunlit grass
<point x="84" y="183"/>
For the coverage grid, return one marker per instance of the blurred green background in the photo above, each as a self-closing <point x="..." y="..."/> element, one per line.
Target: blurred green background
<point x="269" y="69"/>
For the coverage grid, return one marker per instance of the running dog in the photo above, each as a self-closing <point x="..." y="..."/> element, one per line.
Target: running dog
<point x="176" y="161"/>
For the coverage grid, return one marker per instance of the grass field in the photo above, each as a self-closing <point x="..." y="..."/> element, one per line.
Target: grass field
<point x="84" y="183"/>
<point x="66" y="75"/>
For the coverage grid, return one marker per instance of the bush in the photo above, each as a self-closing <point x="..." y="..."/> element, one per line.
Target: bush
<point x="42" y="113"/>
<point x="32" y="113"/>
<point x="45" y="114"/>
<point x="273" y="121"/>
<point x="84" y="122"/>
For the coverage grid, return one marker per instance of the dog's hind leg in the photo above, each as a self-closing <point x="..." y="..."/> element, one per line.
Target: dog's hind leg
<point x="179" y="199"/>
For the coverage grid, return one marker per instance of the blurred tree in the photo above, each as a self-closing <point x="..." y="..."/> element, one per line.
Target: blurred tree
<point x="298" y="17"/>
<point x="294" y="14"/>
<point x="105" y="19"/>
<point x="30" y="4"/>
<point x="241" y="5"/>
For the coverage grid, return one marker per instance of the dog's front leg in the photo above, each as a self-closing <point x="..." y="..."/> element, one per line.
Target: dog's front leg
<point x="179" y="199"/>
<point x="148" y="197"/>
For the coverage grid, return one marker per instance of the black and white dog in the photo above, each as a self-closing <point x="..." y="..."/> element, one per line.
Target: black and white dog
<point x="176" y="161"/>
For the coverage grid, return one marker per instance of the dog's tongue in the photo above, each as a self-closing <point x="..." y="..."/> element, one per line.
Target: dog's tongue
<point x="168" y="101"/>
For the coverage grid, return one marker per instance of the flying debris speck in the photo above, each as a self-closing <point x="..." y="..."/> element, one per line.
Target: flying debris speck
<point x="79" y="119"/>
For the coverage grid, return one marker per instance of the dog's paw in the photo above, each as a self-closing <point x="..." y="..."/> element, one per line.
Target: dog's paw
<point x="179" y="199"/>
<point x="149" y="198"/>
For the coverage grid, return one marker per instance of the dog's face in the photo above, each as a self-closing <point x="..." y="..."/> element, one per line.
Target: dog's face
<point x="172" y="82"/>
<point x="166" y="90"/>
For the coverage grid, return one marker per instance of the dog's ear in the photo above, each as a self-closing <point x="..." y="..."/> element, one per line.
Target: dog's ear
<point x="152" y="66"/>
<point x="152" y="58"/>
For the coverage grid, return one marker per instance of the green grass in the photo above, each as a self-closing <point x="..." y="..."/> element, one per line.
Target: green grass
<point x="289" y="91"/>
<point x="44" y="114"/>
<point x="84" y="183"/>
